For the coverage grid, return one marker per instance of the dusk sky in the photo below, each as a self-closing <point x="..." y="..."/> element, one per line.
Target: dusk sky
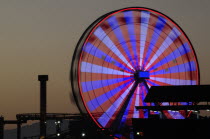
<point x="39" y="37"/>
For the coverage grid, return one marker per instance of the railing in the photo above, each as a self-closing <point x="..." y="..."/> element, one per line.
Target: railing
<point x="49" y="116"/>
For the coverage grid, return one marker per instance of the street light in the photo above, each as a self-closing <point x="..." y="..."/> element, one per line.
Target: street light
<point x="83" y="134"/>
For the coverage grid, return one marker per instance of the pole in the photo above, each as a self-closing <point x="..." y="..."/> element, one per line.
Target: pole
<point x="1" y="127"/>
<point x="43" y="104"/>
<point x="18" y="130"/>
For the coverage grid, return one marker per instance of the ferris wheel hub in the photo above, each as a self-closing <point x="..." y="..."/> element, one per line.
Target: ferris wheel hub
<point x="140" y="75"/>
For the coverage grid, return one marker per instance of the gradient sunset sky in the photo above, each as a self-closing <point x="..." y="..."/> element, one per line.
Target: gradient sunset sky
<point x="39" y="37"/>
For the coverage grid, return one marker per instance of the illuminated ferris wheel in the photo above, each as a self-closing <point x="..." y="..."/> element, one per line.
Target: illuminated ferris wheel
<point x="120" y="56"/>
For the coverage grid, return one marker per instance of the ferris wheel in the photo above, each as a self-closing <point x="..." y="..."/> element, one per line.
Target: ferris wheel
<point x="120" y="56"/>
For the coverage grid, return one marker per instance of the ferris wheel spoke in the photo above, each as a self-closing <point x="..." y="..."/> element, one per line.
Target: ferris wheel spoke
<point x="115" y="92"/>
<point x="131" y="111"/>
<point x="125" y="104"/>
<point x="104" y="119"/>
<point x="131" y="27"/>
<point x="176" y="54"/>
<point x="151" y="83"/>
<point x="170" y="81"/>
<point x="101" y="103"/>
<point x="160" y="23"/>
<point x="145" y="16"/>
<point x="120" y="33"/>
<point x="164" y="82"/>
<point x="136" y="113"/>
<point x="179" y="76"/>
<point x="92" y="85"/>
<point x="128" y="113"/>
<point x="92" y="68"/>
<point x="186" y="67"/>
<point x="141" y="93"/>
<point x="167" y="42"/>
<point x="108" y="42"/>
<point x="156" y="41"/>
<point x="94" y="51"/>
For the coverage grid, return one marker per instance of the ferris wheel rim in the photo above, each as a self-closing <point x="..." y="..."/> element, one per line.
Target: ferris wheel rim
<point x="95" y="24"/>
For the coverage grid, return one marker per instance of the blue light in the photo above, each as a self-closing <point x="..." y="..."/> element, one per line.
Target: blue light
<point x="104" y="119"/>
<point x="157" y="31"/>
<point x="98" y="101"/>
<point x="144" y="74"/>
<point x="93" y="50"/>
<point x="173" y="55"/>
<point x="92" y="85"/>
<point x="185" y="67"/>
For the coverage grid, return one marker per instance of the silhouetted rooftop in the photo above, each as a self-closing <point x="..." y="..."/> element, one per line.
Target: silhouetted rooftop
<point x="181" y="93"/>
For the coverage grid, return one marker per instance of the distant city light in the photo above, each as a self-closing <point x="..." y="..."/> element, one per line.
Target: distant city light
<point x="58" y="134"/>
